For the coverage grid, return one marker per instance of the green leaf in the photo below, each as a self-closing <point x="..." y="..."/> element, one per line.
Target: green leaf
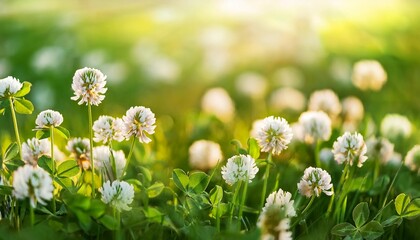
<point x="42" y="133"/>
<point x="216" y="195"/>
<point x="2" y="110"/>
<point x="62" y="132"/>
<point x="238" y="146"/>
<point x="155" y="190"/>
<point x="109" y="222"/>
<point x="180" y="179"/>
<point x="253" y="148"/>
<point x="153" y="214"/>
<point x="394" y="219"/>
<point x="11" y="152"/>
<point x="5" y="190"/>
<point x="45" y="162"/>
<point x="198" y="182"/>
<point x="343" y="229"/>
<point x="361" y="214"/>
<point x="413" y="209"/>
<point x="401" y="203"/>
<point x="66" y="183"/>
<point x="23" y="106"/>
<point x="14" y="164"/>
<point x="147" y="175"/>
<point x="372" y="230"/>
<point x="26" y="88"/>
<point x="67" y="169"/>
<point x="380" y="185"/>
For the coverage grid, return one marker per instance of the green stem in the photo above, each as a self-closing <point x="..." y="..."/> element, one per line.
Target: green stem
<point x="117" y="215"/>
<point x="32" y="214"/>
<point x="92" y="164"/>
<point x="15" y="125"/>
<point x="235" y="196"/>
<point x="317" y="149"/>
<point x="309" y="204"/>
<point x="129" y="155"/>
<point x="390" y="186"/>
<point x="113" y="164"/>
<point x="217" y="218"/>
<point x="243" y="201"/>
<point x="331" y="203"/>
<point x="266" y="175"/>
<point x="53" y="165"/>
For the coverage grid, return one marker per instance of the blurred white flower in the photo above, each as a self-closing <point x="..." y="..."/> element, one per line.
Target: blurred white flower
<point x="103" y="161"/>
<point x="162" y="68"/>
<point x="274" y="135"/>
<point x="204" y="154"/>
<point x="353" y="109"/>
<point x="217" y="102"/>
<point x="48" y="118"/>
<point x="138" y="121"/>
<point x="380" y="148"/>
<point x="4" y="66"/>
<point x="33" y="183"/>
<point x="298" y="132"/>
<point x="34" y="148"/>
<point x="48" y="58"/>
<point x="287" y="99"/>
<point x="9" y="86"/>
<point x="256" y="126"/>
<point x="118" y="194"/>
<point x="369" y="75"/>
<point x="327" y="101"/>
<point x="274" y="224"/>
<point x="326" y="156"/>
<point x="412" y="159"/>
<point x="316" y="126"/>
<point x="340" y="70"/>
<point x="79" y="148"/>
<point x="239" y="168"/>
<point x="252" y="84"/>
<point x="395" y="159"/>
<point x="314" y="182"/>
<point x="395" y="126"/>
<point x="107" y="128"/>
<point x="89" y="86"/>
<point x="289" y="77"/>
<point x="282" y="199"/>
<point x="350" y="148"/>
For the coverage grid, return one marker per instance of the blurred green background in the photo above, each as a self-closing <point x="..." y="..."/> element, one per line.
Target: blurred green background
<point x="166" y="54"/>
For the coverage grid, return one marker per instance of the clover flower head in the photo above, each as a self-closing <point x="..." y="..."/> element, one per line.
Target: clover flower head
<point x="204" y="154"/>
<point x="314" y="182"/>
<point x="119" y="194"/>
<point x="33" y="183"/>
<point x="283" y="200"/>
<point x="239" y="168"/>
<point x="89" y="86"/>
<point x="274" y="135"/>
<point x="107" y="128"/>
<point x="34" y="148"/>
<point x="48" y="118"/>
<point x="412" y="159"/>
<point x="287" y="98"/>
<point x="380" y="148"/>
<point x="325" y="100"/>
<point x="79" y="148"/>
<point x="138" y="121"/>
<point x="326" y="156"/>
<point x="217" y="102"/>
<point x="9" y="86"/>
<point x="353" y="109"/>
<point x="274" y="224"/>
<point x="350" y="148"/>
<point x="394" y="126"/>
<point x="369" y="74"/>
<point x="103" y="160"/>
<point x="252" y="84"/>
<point x="316" y="126"/>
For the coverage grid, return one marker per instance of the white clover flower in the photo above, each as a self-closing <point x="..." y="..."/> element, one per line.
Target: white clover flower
<point x="107" y="128"/>
<point x="138" y="121"/>
<point x="326" y="155"/>
<point x="217" y="102"/>
<point x="314" y="182"/>
<point x="287" y="98"/>
<point x="79" y="148"/>
<point x="34" y="148"/>
<point x="48" y="118"/>
<point x="380" y="148"/>
<point x="369" y="74"/>
<point x="274" y="135"/>
<point x="350" y="148"/>
<point x="394" y="126"/>
<point x="204" y="154"/>
<point x="9" y="86"/>
<point x="118" y="194"/>
<point x="239" y="168"/>
<point x="103" y="162"/>
<point x="256" y="126"/>
<point x="353" y="109"/>
<point x="316" y="126"/>
<point x="89" y="86"/>
<point x="274" y="224"/>
<point x="412" y="159"/>
<point x="298" y="132"/>
<point x="33" y="183"/>
<point x="325" y="100"/>
<point x="282" y="199"/>
<point x="252" y="84"/>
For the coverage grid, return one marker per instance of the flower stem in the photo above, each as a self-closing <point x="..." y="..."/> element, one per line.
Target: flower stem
<point x="92" y="164"/>
<point x="235" y="196"/>
<point x="331" y="203"/>
<point x="392" y="184"/>
<point x="317" y="149"/>
<point x="53" y="165"/>
<point x="242" y="201"/>
<point x="32" y="214"/>
<point x="266" y="175"/>
<point x="117" y="216"/>
<point x="309" y="204"/>
<point x="15" y="125"/>
<point x="129" y="155"/>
